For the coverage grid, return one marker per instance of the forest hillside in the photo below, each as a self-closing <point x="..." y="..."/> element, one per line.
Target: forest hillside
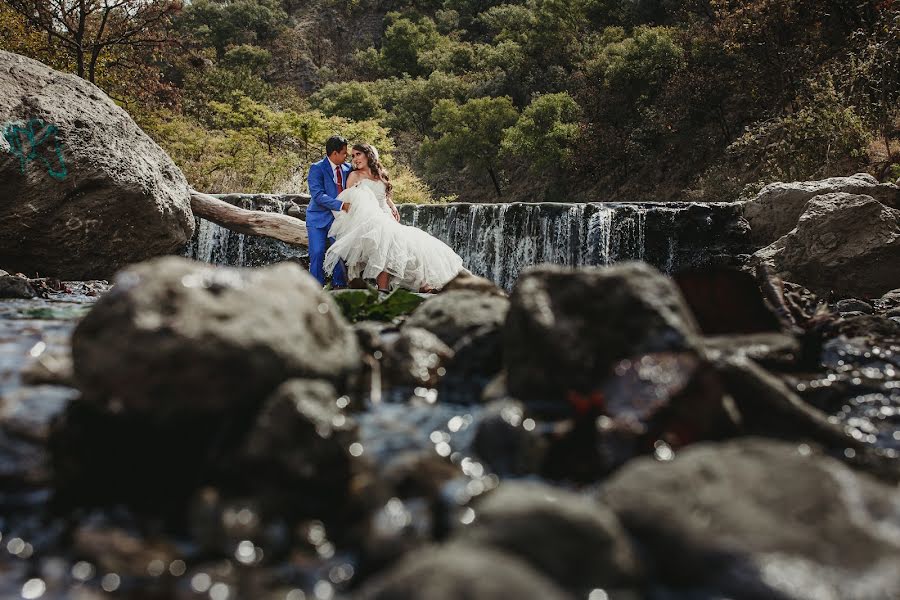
<point x="493" y="100"/>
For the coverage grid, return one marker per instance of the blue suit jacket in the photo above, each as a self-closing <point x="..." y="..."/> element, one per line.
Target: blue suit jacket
<point x="323" y="193"/>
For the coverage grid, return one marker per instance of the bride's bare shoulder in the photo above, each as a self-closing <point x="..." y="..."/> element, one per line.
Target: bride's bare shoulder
<point x="352" y="178"/>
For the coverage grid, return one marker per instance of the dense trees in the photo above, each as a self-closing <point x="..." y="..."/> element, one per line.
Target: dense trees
<point x="483" y="98"/>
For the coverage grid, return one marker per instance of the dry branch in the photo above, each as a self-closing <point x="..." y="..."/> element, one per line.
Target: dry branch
<point x="250" y="222"/>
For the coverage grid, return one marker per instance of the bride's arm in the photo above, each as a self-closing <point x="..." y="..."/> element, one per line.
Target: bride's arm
<point x="393" y="207"/>
<point x="352" y="179"/>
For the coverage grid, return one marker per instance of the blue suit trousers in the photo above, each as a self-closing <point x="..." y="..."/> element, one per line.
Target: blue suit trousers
<point x="318" y="244"/>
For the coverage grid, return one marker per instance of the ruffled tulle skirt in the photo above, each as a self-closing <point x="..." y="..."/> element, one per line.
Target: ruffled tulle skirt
<point x="371" y="242"/>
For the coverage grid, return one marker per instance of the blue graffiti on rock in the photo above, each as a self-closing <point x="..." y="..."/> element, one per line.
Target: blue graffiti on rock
<point x="37" y="141"/>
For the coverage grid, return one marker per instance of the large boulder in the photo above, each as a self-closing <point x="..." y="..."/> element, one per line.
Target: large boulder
<point x="778" y="206"/>
<point x="568" y="537"/>
<point x="84" y="190"/>
<point x="175" y="336"/>
<point x="455" y="314"/>
<point x="848" y="244"/>
<point x="566" y="327"/>
<point x="458" y="572"/>
<point x="755" y="518"/>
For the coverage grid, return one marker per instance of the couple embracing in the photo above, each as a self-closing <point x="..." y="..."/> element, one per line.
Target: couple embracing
<point x="355" y="230"/>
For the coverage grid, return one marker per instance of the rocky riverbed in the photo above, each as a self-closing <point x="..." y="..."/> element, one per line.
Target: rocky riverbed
<point x="200" y="431"/>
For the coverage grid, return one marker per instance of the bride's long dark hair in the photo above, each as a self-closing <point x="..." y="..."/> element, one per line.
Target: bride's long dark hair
<point x="375" y="166"/>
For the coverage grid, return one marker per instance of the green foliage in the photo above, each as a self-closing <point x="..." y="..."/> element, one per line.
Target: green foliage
<point x="369" y="305"/>
<point x="409" y="102"/>
<point x="638" y="66"/>
<point x="546" y="134"/>
<point x="352" y="100"/>
<point x="247" y="58"/>
<point x="405" y="41"/>
<point x="823" y="137"/>
<point x="224" y="23"/>
<point x="470" y="134"/>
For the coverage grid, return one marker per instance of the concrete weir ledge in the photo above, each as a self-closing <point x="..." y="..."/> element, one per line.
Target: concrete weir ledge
<point x="499" y="240"/>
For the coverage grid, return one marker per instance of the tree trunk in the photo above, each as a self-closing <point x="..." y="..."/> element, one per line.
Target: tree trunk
<point x="250" y="222"/>
<point x="494" y="179"/>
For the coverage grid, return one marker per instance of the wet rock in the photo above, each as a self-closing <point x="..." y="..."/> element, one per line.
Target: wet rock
<point x="52" y="367"/>
<point x="117" y="550"/>
<point x="16" y="287"/>
<point x="477" y="359"/>
<point x="567" y="537"/>
<point x="753" y="518"/>
<point x="566" y="328"/>
<point x="297" y="455"/>
<point x="453" y="315"/>
<point x="22" y="462"/>
<point x="29" y="411"/>
<point x="764" y="348"/>
<point x="778" y="206"/>
<point x="177" y="337"/>
<point x="865" y="326"/>
<point x="891" y="299"/>
<point x="469" y="281"/>
<point x="413" y="357"/>
<point x="92" y="192"/>
<point x="852" y="305"/>
<point x="767" y="406"/>
<point x="507" y="441"/>
<point x="458" y="571"/>
<point x="842" y="243"/>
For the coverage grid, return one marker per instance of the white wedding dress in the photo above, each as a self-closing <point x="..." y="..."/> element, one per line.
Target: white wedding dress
<point x="370" y="241"/>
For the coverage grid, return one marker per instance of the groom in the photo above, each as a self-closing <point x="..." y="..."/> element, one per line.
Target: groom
<point x="327" y="178"/>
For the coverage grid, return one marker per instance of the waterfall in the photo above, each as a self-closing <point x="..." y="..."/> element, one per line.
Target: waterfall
<point x="498" y="241"/>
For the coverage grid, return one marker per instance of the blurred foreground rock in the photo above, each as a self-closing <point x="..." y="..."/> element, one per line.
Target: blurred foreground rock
<point x="178" y="337"/>
<point x="760" y="519"/>
<point x="459" y="571"/>
<point x="566" y="329"/>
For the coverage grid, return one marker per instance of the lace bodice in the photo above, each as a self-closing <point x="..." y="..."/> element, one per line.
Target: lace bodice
<point x="378" y="188"/>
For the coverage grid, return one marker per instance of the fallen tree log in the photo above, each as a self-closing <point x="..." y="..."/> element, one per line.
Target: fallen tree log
<point x="250" y="222"/>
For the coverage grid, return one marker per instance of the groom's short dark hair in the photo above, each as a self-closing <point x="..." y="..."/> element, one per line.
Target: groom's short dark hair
<point x="334" y="144"/>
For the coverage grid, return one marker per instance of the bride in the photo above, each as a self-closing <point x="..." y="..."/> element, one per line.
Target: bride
<point x="372" y="242"/>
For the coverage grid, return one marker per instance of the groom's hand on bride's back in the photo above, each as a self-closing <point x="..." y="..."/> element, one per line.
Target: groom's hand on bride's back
<point x="345" y="206"/>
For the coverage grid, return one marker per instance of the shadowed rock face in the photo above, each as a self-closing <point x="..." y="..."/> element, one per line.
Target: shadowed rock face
<point x="83" y="191"/>
<point x="565" y="329"/>
<point x="846" y="243"/>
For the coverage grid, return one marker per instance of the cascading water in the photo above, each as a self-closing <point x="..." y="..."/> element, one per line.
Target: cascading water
<point x="498" y="241"/>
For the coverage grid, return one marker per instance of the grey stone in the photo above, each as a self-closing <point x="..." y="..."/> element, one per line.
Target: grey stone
<point x="778" y="206"/>
<point x="842" y="243"/>
<point x="413" y="356"/>
<point x="300" y="440"/>
<point x="852" y="305"/>
<point x="86" y="191"/>
<point x="16" y="287"/>
<point x="755" y="518"/>
<point x="454" y="314"/>
<point x="568" y="537"/>
<point x="567" y="327"/>
<point x="175" y="336"/>
<point x="455" y="572"/>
